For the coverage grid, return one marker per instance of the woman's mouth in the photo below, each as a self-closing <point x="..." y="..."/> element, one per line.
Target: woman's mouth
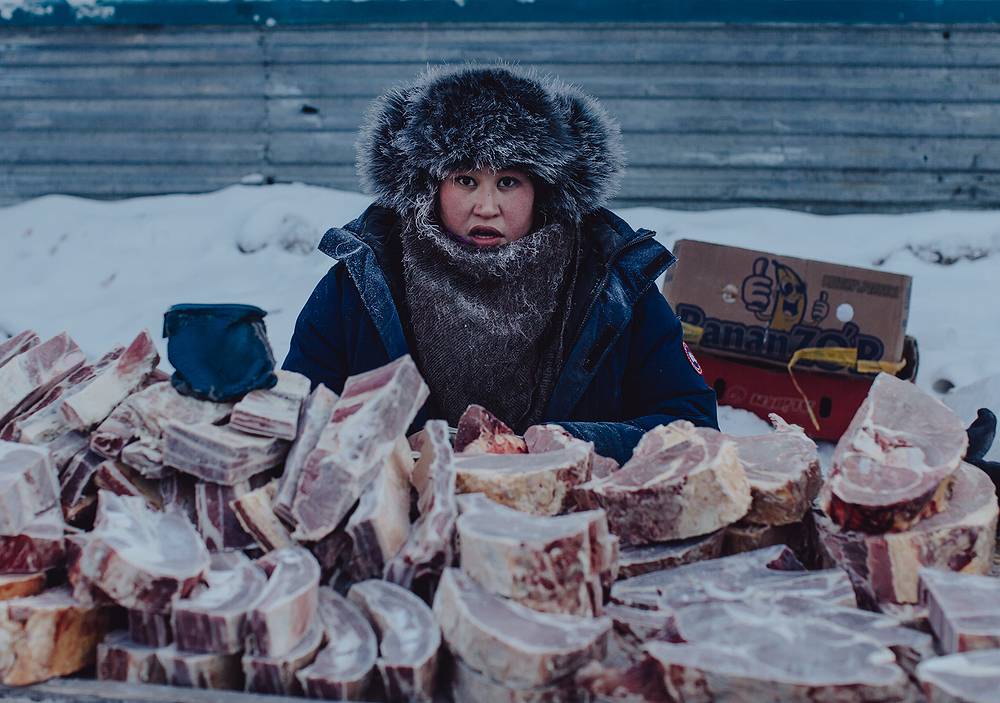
<point x="485" y="236"/>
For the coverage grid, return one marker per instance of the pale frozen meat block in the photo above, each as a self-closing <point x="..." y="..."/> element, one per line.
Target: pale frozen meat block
<point x="51" y="634"/>
<point x="39" y="546"/>
<point x="254" y="511"/>
<point x="512" y="643"/>
<point x="541" y="484"/>
<point x="774" y="570"/>
<point x="116" y="477"/>
<point x="430" y="546"/>
<point x="344" y="668"/>
<point x="276" y="675"/>
<point x="28" y="485"/>
<point x="409" y="638"/>
<point x="77" y="477"/>
<point x="745" y="537"/>
<point x="30" y="375"/>
<point x="682" y="481"/>
<point x="120" y="659"/>
<point x="552" y="438"/>
<point x="178" y="493"/>
<point x="219" y="454"/>
<point x="783" y="470"/>
<point x="18" y="344"/>
<point x="64" y="447"/>
<point x="969" y="677"/>
<point x="286" y="607"/>
<point x="373" y="412"/>
<point x="964" y="609"/>
<point x="895" y="462"/>
<point x="216" y="520"/>
<point x="138" y="558"/>
<point x="21" y="585"/>
<point x="213" y="618"/>
<point x="150" y="629"/>
<point x="380" y="525"/>
<point x="633" y="561"/>
<point x="146" y="458"/>
<point x="200" y="669"/>
<point x="467" y="684"/>
<point x="273" y="412"/>
<point x="317" y="412"/>
<point x="884" y="567"/>
<point x="141" y="418"/>
<point x="480" y="432"/>
<point x="84" y="410"/>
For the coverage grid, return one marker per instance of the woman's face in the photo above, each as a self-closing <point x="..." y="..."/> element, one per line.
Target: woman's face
<point x="486" y="208"/>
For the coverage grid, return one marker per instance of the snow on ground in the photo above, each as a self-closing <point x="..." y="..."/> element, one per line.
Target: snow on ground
<point x="104" y="270"/>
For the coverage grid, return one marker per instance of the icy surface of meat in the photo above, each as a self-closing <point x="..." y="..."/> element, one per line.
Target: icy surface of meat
<point x="29" y="375"/>
<point x="964" y="609"/>
<point x="219" y="454"/>
<point x="970" y="677"/>
<point x="28" y="485"/>
<point x="480" y="432"/>
<point x="316" y="415"/>
<point x="286" y="606"/>
<point x="120" y="659"/>
<point x="273" y="412"/>
<point x="633" y="561"/>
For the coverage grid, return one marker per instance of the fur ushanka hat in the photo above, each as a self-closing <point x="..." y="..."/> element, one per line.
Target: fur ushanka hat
<point x="496" y="116"/>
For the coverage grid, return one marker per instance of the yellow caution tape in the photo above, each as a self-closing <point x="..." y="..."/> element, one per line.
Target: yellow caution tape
<point x="692" y="333"/>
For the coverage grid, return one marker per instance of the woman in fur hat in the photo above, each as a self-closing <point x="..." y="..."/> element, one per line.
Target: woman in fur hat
<point x="488" y="256"/>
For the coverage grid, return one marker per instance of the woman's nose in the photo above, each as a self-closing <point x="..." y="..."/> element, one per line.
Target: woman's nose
<point x="486" y="204"/>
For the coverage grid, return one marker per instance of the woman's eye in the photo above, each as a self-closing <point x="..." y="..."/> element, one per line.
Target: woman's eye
<point x="465" y="181"/>
<point x="508" y="182"/>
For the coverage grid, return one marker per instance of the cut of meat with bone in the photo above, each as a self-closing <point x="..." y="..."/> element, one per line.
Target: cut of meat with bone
<point x="21" y="585"/>
<point x="276" y="675"/>
<point x="51" y="634"/>
<point x="217" y="521"/>
<point x="682" y="481"/>
<point x="896" y="460"/>
<point x="219" y="454"/>
<point x="430" y="546"/>
<point x="255" y="515"/>
<point x="30" y="375"/>
<point x="783" y="470"/>
<point x="200" y="669"/>
<point x="286" y="607"/>
<point x="633" y="561"/>
<point x="273" y="412"/>
<point x="343" y="670"/>
<point x="884" y="567"/>
<point x="509" y="642"/>
<point x="39" y="546"/>
<point x="77" y="477"/>
<point x="18" y="344"/>
<point x="120" y="659"/>
<point x="549" y="564"/>
<point x="142" y="415"/>
<point x="541" y="484"/>
<point x="467" y="684"/>
<point x="28" y="485"/>
<point x="150" y="629"/>
<point x="970" y="677"/>
<point x="84" y="410"/>
<point x="213" y="619"/>
<point x="138" y="558"/>
<point x="409" y="638"/>
<point x="121" y="480"/>
<point x="964" y="609"/>
<point x="374" y="411"/>
<point x="480" y="432"/>
<point x="316" y="415"/>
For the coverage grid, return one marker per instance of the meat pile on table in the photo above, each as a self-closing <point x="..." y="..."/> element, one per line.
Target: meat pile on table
<point x="297" y="542"/>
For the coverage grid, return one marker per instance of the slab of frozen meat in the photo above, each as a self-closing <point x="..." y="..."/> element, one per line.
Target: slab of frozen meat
<point x="29" y="375"/>
<point x="18" y="344"/>
<point x="28" y="485"/>
<point x="138" y="558"/>
<point x="541" y="484"/>
<point x="120" y="659"/>
<point x="217" y="521"/>
<point x="895" y="462"/>
<point x="286" y="607"/>
<point x="77" y="477"/>
<point x="200" y="669"/>
<point x="317" y="412"/>
<point x="276" y="675"/>
<point x="219" y="454"/>
<point x="64" y="447"/>
<point x="150" y="629"/>
<point x="84" y="410"/>
<point x="214" y="617"/>
<point x="255" y="514"/>
<point x="343" y="669"/>
<point x="51" y="634"/>
<point x="964" y="609"/>
<point x="480" y="432"/>
<point x="549" y="564"/>
<point x="430" y="545"/>
<point x="409" y="638"/>
<point x="373" y="412"/>
<point x="21" y="585"/>
<point x="467" y="684"/>
<point x="884" y="567"/>
<point x="633" y="561"/>
<point x="273" y="412"/>
<point x="744" y="537"/>
<point x="970" y="677"/>
<point x="116" y="477"/>
<point x="783" y="470"/>
<point x="39" y="546"/>
<point x="512" y="643"/>
<point x="682" y="481"/>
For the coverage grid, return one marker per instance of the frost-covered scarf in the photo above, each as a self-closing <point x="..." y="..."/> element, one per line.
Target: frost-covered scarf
<point x="490" y="324"/>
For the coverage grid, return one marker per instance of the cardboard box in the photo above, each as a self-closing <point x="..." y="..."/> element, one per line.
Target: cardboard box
<point x="757" y="305"/>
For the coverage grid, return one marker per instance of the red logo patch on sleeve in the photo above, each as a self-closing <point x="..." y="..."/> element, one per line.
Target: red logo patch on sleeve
<point x="694" y="362"/>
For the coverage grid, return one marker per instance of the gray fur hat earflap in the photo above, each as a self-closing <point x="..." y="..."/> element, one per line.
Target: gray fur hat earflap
<point x="496" y="116"/>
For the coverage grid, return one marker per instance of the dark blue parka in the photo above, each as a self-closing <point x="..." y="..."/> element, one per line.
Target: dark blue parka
<point x="625" y="371"/>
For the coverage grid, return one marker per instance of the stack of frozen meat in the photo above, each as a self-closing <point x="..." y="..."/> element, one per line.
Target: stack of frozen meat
<point x="297" y="542"/>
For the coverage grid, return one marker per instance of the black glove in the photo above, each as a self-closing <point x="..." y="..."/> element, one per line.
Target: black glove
<point x="981" y="433"/>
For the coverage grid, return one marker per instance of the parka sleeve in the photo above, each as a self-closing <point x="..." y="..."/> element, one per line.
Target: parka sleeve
<point x="317" y="349"/>
<point x="660" y="383"/>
